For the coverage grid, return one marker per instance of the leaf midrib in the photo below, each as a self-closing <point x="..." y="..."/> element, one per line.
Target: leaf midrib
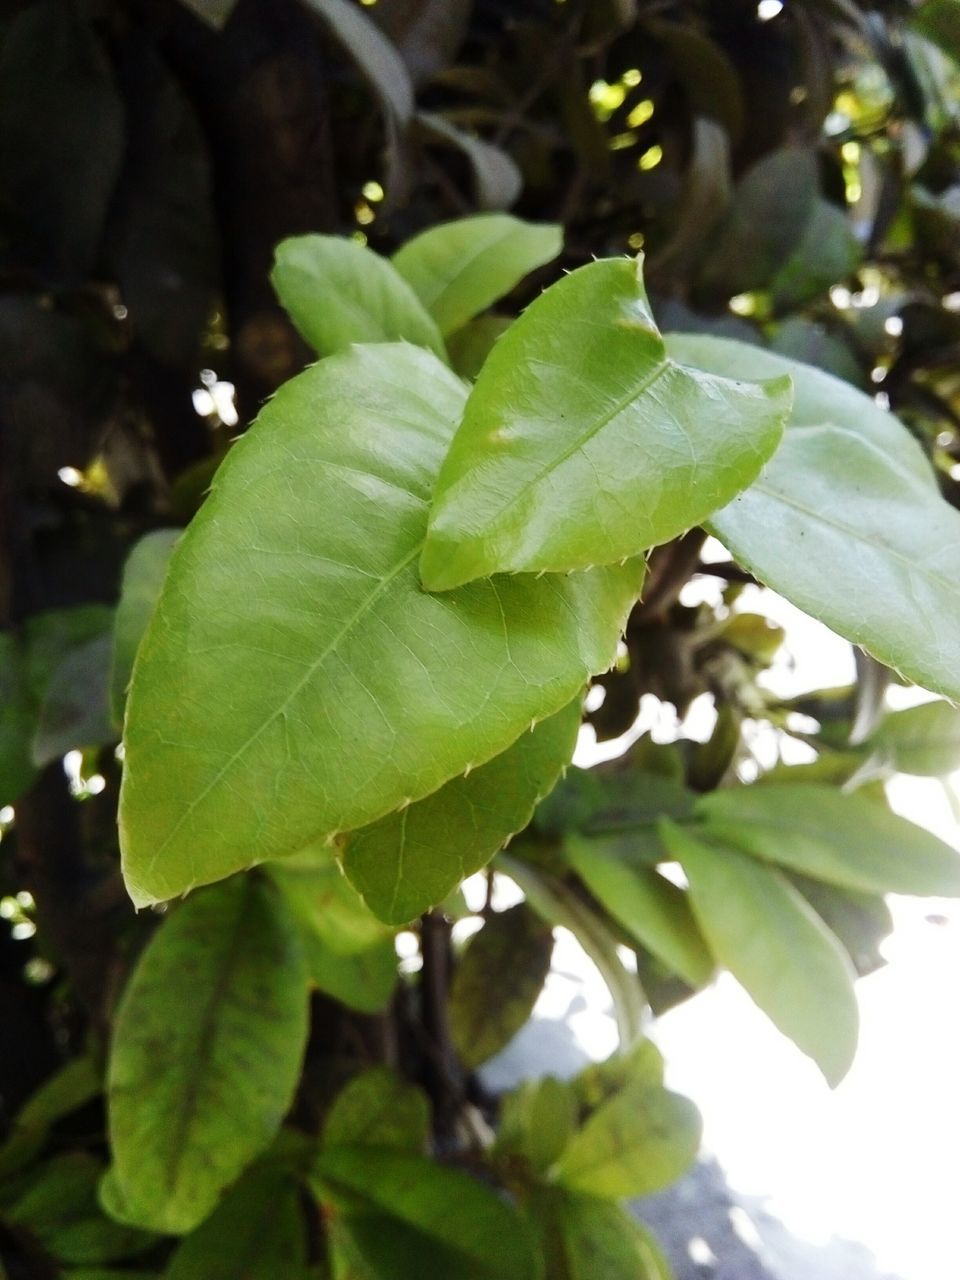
<point x="351" y="622"/>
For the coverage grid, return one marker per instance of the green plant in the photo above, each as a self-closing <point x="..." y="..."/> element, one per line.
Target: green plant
<point x="364" y="660"/>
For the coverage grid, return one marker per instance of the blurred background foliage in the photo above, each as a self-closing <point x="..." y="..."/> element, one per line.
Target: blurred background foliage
<point x="791" y="170"/>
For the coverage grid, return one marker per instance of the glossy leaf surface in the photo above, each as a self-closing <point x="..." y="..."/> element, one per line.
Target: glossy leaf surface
<point x="843" y="839"/>
<point x="410" y="860"/>
<point x="511" y="956"/>
<point x="773" y="942"/>
<point x="338" y="292"/>
<point x="461" y="268"/>
<point x="206" y="1053"/>
<point x="582" y="443"/>
<point x="338" y="689"/>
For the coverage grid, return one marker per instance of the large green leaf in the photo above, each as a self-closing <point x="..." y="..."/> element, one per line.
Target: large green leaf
<point x="774" y="943"/>
<point x="318" y="686"/>
<point x="650" y="908"/>
<point x="583" y="443"/>
<point x="585" y="1238"/>
<point x="458" y="269"/>
<point x="846" y="522"/>
<point x="637" y="1141"/>
<point x="350" y="953"/>
<point x="410" y="860"/>
<point x="500" y="974"/>
<point x="923" y="740"/>
<point x="485" y="1236"/>
<point x="143" y="576"/>
<point x="338" y="292"/>
<point x="258" y="1232"/>
<point x="819" y="398"/>
<point x="378" y="1109"/>
<point x="206" y="1054"/>
<point x="844" y="839"/>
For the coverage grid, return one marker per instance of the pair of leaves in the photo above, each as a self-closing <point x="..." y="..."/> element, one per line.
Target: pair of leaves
<point x="846" y="518"/>
<point x="338" y="292"/>
<point x="287" y="726"/>
<point x="206" y="1053"/>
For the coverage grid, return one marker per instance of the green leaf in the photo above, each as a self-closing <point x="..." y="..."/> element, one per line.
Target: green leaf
<point x="378" y="1109"/>
<point x="319" y="687"/>
<point x="75" y="711"/>
<point x="774" y="943"/>
<point x="585" y="1238"/>
<point x="819" y="398"/>
<point x="615" y="797"/>
<point x="459" y="269"/>
<point x="846" y="522"/>
<point x="556" y="903"/>
<point x="496" y="983"/>
<point x="828" y="251"/>
<point x="143" y="576"/>
<point x="59" y="1208"/>
<point x="350" y="953"/>
<point x="922" y="740"/>
<point x="258" y="1232"/>
<point x="338" y="292"/>
<point x="582" y="443"/>
<point x="636" y="1142"/>
<point x="844" y="839"/>
<point x="483" y="1234"/>
<point x="652" y="910"/>
<point x="74" y="1084"/>
<point x="536" y="1121"/>
<point x="206" y="1054"/>
<point x="409" y="861"/>
<point x="496" y="179"/>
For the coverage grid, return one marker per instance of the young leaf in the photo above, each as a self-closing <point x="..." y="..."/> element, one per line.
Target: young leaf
<point x="497" y="981"/>
<point x="536" y="1122"/>
<point x="583" y="443"/>
<point x="482" y="1233"/>
<point x="773" y="942"/>
<point x="459" y="269"/>
<point x="650" y="908"/>
<point x="318" y="686"/>
<point x="410" y="860"/>
<point x="923" y="740"/>
<point x="585" y="1238"/>
<point x="338" y="292"/>
<point x="378" y="1109"/>
<point x="636" y="1142"/>
<point x="350" y="954"/>
<point x="258" y="1232"/>
<point x="843" y="839"/>
<point x="206" y="1053"/>
<point x="143" y="576"/>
